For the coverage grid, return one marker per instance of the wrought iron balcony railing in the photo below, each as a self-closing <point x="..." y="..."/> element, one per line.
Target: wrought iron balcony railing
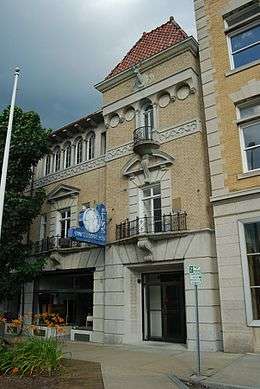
<point x="143" y="134"/>
<point x="54" y="243"/>
<point x="167" y="223"/>
<point x="144" y="141"/>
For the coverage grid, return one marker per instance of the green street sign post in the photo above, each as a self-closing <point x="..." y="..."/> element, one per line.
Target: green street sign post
<point x="196" y="280"/>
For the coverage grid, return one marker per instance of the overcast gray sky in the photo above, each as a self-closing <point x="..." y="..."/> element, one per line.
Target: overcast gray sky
<point x="64" y="47"/>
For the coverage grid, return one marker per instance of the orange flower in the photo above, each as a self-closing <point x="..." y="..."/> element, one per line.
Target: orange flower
<point x="14" y="370"/>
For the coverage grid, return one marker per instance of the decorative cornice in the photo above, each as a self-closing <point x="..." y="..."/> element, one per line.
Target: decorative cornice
<point x="164" y="136"/>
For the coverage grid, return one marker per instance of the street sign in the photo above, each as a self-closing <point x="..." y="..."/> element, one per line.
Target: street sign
<point x="196" y="280"/>
<point x="195" y="275"/>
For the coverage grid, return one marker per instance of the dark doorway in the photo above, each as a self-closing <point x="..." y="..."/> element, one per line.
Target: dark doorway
<point x="164" y="307"/>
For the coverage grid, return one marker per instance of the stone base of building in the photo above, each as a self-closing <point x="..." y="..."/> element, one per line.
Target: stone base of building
<point x="135" y="299"/>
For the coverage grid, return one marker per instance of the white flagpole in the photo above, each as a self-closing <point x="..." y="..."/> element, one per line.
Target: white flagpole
<point x="7" y="148"/>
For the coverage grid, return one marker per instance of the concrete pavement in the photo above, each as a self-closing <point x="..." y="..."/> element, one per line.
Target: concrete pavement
<point x="149" y="365"/>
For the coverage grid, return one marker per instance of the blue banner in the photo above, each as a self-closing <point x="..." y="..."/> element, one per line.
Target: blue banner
<point x="92" y="226"/>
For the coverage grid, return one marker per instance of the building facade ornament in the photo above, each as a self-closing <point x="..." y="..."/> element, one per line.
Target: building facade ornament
<point x="126" y="149"/>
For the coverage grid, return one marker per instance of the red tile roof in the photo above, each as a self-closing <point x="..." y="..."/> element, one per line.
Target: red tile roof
<point x="151" y="43"/>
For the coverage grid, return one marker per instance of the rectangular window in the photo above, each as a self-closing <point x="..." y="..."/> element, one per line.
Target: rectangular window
<point x="242" y="27"/>
<point x="64" y="221"/>
<point x="103" y="143"/>
<point x="252" y="241"/>
<point x="245" y="45"/>
<point x="249" y="115"/>
<point x="152" y="208"/>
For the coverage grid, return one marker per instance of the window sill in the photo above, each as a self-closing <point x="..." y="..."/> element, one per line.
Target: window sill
<point x="254" y="323"/>
<point x="241" y="68"/>
<point x="252" y="173"/>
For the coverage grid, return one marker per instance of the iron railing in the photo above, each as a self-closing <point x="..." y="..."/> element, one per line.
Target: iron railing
<point x="173" y="222"/>
<point x="54" y="243"/>
<point x="142" y="134"/>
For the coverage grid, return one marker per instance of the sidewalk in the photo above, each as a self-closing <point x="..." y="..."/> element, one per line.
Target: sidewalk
<point x="151" y="365"/>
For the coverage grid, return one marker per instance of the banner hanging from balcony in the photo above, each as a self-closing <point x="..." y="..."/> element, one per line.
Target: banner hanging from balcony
<point x="92" y="226"/>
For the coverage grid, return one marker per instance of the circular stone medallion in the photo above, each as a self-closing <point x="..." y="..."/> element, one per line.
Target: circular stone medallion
<point x="130" y="114"/>
<point x="114" y="120"/>
<point x="183" y="92"/>
<point x="164" y="100"/>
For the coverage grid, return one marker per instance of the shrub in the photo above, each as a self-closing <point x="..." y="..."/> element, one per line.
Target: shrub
<point x="31" y="356"/>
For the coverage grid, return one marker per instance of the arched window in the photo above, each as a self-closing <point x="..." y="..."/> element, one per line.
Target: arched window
<point x="79" y="151"/>
<point x="67" y="155"/>
<point x="91" y="146"/>
<point x="47" y="169"/>
<point x="56" y="159"/>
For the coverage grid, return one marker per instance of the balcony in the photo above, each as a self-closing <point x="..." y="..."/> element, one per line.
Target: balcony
<point x="143" y="141"/>
<point x="174" y="222"/>
<point x="55" y="243"/>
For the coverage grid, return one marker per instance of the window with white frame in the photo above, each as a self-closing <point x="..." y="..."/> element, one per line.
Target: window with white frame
<point x="243" y="34"/>
<point x="245" y="45"/>
<point x="252" y="269"/>
<point x="47" y="169"/>
<point x="79" y="151"/>
<point x="151" y="208"/>
<point x="56" y="159"/>
<point x="67" y="155"/>
<point x="91" y="146"/>
<point x="64" y="222"/>
<point x="249" y="123"/>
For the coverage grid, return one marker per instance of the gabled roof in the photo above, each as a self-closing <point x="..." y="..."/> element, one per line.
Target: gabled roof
<point x="151" y="43"/>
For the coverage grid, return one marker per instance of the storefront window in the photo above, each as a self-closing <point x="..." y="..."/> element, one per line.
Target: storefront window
<point x="68" y="294"/>
<point x="252" y="235"/>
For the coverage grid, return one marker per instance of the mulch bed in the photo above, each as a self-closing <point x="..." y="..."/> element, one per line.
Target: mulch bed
<point x="74" y="375"/>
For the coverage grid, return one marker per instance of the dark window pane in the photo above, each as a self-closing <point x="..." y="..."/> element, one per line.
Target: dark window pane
<point x="252" y="234"/>
<point x="246" y="56"/>
<point x="254" y="269"/>
<point x="245" y="38"/>
<point x="253" y="158"/>
<point x="252" y="135"/>
<point x="157" y="203"/>
<point x="256" y="303"/>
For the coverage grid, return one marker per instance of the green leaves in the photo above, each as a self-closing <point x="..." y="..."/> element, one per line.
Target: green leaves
<point x="29" y="144"/>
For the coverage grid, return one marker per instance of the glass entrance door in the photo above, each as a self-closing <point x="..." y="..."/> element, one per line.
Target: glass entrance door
<point x="164" y="307"/>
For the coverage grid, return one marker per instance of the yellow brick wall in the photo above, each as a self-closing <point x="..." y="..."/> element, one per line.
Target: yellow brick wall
<point x="225" y="86"/>
<point x="121" y="134"/>
<point x="173" y="114"/>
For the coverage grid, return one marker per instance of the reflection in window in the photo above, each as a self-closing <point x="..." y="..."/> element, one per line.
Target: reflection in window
<point x="245" y="46"/>
<point x="250" y="133"/>
<point x="64" y="222"/>
<point x="152" y="208"/>
<point x="252" y="235"/>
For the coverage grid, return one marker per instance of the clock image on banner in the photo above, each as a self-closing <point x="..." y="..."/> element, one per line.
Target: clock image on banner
<point x="92" y="226"/>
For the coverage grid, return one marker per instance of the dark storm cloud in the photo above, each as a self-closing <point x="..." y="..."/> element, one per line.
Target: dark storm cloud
<point x="64" y="47"/>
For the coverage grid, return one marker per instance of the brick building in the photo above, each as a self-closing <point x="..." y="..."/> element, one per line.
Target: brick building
<point x="229" y="40"/>
<point x="144" y="155"/>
